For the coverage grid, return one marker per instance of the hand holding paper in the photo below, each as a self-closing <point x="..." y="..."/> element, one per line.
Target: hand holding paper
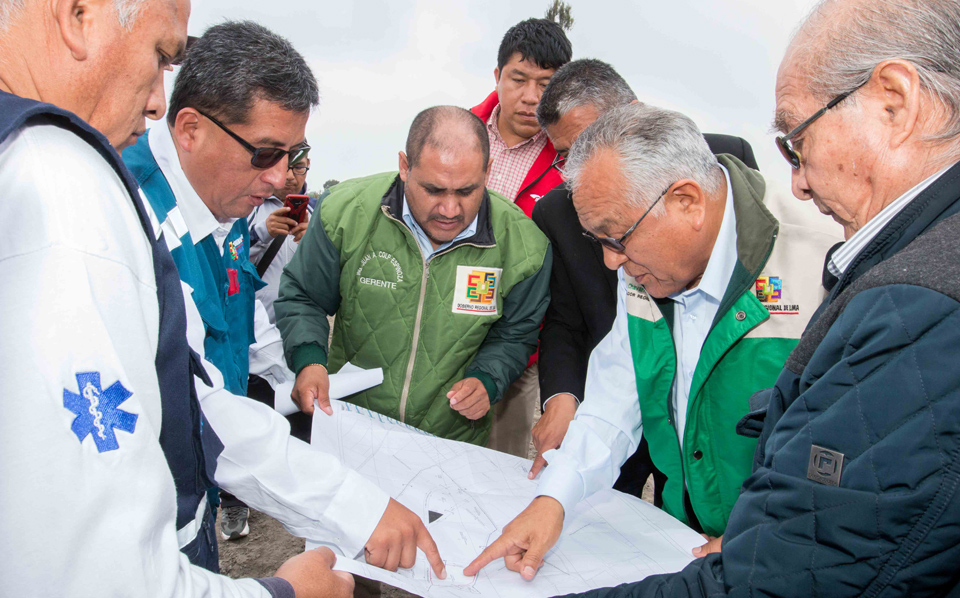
<point x="313" y="384"/>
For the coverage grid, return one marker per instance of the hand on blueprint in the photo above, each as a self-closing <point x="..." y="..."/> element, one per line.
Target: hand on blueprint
<point x="712" y="545"/>
<point x="525" y="540"/>
<point x="311" y="575"/>
<point x="469" y="398"/>
<point x="552" y="427"/>
<point x="395" y="540"/>
<point x="313" y="384"/>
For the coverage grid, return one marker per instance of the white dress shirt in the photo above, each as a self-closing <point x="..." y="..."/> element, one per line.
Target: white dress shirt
<point x="607" y="428"/>
<point x="80" y="282"/>
<point x="426" y="246"/>
<point x="266" y="354"/>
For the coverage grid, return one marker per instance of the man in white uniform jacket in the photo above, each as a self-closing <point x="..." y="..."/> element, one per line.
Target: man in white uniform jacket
<point x="88" y="504"/>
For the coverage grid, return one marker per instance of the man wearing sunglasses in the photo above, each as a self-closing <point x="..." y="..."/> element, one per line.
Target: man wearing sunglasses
<point x="719" y="274"/>
<point x="237" y="116"/>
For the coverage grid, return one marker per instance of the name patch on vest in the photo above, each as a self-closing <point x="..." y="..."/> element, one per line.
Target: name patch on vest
<point x="476" y="291"/>
<point x="639" y="303"/>
<point x="386" y="266"/>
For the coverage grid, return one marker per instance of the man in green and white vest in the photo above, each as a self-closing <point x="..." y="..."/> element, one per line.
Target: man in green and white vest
<point x="431" y="277"/>
<point x="719" y="274"/>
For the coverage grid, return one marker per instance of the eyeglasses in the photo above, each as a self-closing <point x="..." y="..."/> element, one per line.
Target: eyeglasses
<point x="558" y="162"/>
<point x="783" y="141"/>
<point x="299" y="170"/>
<point x="617" y="245"/>
<point x="263" y="157"/>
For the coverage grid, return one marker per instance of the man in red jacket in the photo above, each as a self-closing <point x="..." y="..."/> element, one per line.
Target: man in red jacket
<point x="523" y="170"/>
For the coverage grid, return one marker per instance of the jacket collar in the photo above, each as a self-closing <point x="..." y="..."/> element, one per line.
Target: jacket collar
<point x="392" y="206"/>
<point x="757" y="229"/>
<point x="484" y="109"/>
<point x="938" y="201"/>
<point x="199" y="219"/>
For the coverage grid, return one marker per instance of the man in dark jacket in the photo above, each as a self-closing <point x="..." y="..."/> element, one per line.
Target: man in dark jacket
<point x="583" y="291"/>
<point x="855" y="490"/>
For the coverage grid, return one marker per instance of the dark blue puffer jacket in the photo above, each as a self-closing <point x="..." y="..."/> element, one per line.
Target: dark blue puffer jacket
<point x="876" y="377"/>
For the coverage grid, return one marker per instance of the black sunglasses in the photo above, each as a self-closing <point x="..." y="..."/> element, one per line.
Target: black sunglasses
<point x="783" y="141"/>
<point x="617" y="245"/>
<point x="263" y="157"/>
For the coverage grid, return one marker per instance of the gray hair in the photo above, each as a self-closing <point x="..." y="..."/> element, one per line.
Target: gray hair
<point x="236" y="63"/>
<point x="845" y="48"/>
<point x="127" y="11"/>
<point x="656" y="148"/>
<point x="584" y="82"/>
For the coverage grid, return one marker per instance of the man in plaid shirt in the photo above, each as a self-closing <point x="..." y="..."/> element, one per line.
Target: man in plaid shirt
<point x="523" y="170"/>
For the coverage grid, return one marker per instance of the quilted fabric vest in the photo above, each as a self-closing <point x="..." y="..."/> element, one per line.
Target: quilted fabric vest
<point x="399" y="310"/>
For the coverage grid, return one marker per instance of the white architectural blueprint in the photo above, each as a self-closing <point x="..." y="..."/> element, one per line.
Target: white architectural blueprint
<point x="466" y="494"/>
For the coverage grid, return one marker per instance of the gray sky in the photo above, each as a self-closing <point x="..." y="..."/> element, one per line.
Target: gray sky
<point x="380" y="62"/>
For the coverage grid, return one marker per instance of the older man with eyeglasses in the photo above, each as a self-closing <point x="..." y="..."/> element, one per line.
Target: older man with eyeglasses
<point x="857" y="475"/>
<point x="719" y="274"/>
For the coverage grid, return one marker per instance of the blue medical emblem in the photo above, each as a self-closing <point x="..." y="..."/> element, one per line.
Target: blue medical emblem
<point x="97" y="412"/>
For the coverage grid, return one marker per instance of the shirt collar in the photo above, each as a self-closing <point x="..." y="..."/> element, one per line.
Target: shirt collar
<point x="493" y="128"/>
<point x="844" y="256"/>
<point x="199" y="219"/>
<point x="424" y="241"/>
<point x="723" y="258"/>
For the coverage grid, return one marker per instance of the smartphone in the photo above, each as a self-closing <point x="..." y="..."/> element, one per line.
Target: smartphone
<point x="298" y="207"/>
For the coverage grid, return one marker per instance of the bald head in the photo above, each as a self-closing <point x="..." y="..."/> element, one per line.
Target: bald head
<point x="447" y="129"/>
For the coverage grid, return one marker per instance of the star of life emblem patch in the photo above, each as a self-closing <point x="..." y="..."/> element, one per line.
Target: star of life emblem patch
<point x="476" y="291"/>
<point x="97" y="411"/>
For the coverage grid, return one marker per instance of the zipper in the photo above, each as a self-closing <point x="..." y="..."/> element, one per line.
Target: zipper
<point x="411" y="361"/>
<point x="408" y="378"/>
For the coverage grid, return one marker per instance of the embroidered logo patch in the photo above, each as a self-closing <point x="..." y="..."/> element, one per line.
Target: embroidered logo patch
<point x="235" y="248"/>
<point x="769" y="291"/>
<point x="826" y="466"/>
<point x="476" y="291"/>
<point x="97" y="411"/>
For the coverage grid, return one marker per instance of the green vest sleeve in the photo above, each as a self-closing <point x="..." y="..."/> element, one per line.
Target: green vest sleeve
<point x="309" y="292"/>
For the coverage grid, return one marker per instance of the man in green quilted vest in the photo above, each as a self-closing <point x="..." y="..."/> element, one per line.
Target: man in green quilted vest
<point x="719" y="274"/>
<point x="433" y="278"/>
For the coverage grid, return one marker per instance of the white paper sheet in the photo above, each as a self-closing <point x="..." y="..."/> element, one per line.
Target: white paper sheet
<point x="466" y="494"/>
<point x="349" y="380"/>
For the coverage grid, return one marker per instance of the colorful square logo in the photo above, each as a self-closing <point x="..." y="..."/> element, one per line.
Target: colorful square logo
<point x="481" y="287"/>
<point x="769" y="289"/>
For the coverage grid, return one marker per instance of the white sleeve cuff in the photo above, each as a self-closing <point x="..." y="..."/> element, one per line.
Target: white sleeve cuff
<point x="562" y="393"/>
<point x="561" y="481"/>
<point x="356" y="510"/>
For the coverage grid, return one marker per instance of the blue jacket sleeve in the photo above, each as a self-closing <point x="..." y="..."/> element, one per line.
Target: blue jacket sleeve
<point x="883" y="389"/>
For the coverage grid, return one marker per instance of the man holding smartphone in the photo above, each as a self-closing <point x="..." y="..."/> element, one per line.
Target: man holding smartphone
<point x="271" y="224"/>
<point x="276" y="228"/>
